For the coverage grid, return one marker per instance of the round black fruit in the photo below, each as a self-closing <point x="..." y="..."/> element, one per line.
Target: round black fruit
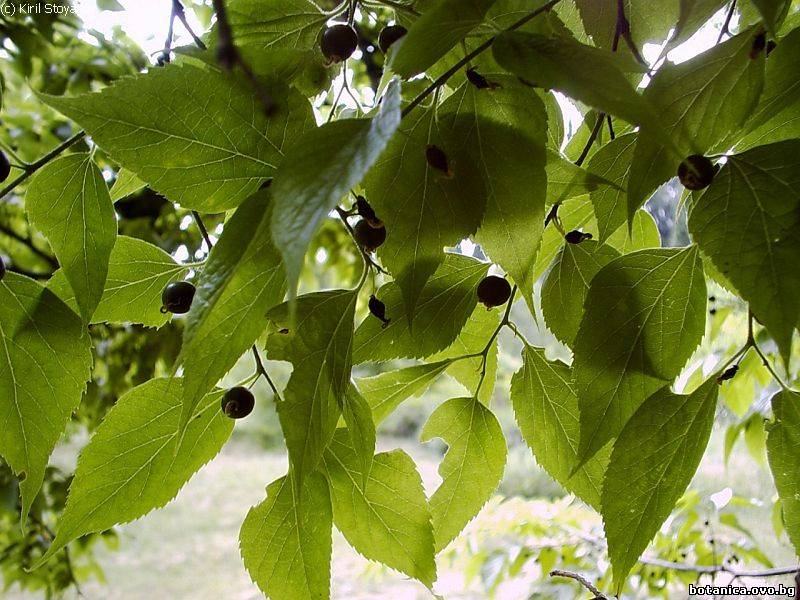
<point x="5" y="167"/>
<point x="389" y="35"/>
<point x="177" y="297"/>
<point x="696" y="172"/>
<point x="368" y="237"/>
<point x="238" y="402"/>
<point x="494" y="291"/>
<point x="576" y="237"/>
<point x="339" y="42"/>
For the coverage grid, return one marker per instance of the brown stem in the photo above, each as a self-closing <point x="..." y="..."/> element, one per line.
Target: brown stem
<point x="444" y="77"/>
<point x="580" y="579"/>
<point x="725" y="26"/>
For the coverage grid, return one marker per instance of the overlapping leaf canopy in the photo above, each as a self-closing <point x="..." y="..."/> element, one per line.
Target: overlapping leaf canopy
<point x="608" y="427"/>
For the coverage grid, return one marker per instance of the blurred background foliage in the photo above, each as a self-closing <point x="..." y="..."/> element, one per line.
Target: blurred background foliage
<point x="728" y="516"/>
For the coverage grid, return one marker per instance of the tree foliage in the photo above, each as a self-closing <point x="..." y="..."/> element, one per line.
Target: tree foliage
<point x="459" y="168"/>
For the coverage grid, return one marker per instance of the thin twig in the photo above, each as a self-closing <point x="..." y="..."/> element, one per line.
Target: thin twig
<point x="623" y="29"/>
<point x="398" y="6"/>
<point x="725" y="26"/>
<point x="180" y="13"/>
<point x="229" y="57"/>
<point x="28" y="242"/>
<point x="580" y="579"/>
<point x="484" y="354"/>
<point x="35" y="166"/>
<point x="592" y="137"/>
<point x="444" y="77"/>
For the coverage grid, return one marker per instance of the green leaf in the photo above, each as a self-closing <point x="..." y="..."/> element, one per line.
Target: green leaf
<point x="385" y="392"/>
<point x="241" y="280"/>
<point x="435" y="33"/>
<point x="755" y="438"/>
<point x="574" y="213"/>
<point x="424" y="211"/>
<point x="643" y="233"/>
<point x="546" y="410"/>
<point x="783" y="451"/>
<point x="136" y="461"/>
<point x="781" y="85"/>
<point x="773" y="12"/>
<point x="567" y="286"/>
<point x="747" y="224"/>
<point x="566" y="180"/>
<point x="649" y="22"/>
<point x="357" y="415"/>
<point x="654" y="459"/>
<point x="45" y="362"/>
<point x="319" y="345"/>
<point x="472" y="468"/>
<point x="701" y="102"/>
<point x="211" y="159"/>
<point x="68" y="202"/>
<point x="692" y="16"/>
<point x="319" y="169"/>
<point x="444" y="306"/>
<point x="137" y="274"/>
<point x="285" y="541"/>
<point x="587" y="74"/>
<point x="275" y="25"/>
<point x="472" y="340"/>
<point x="382" y="513"/>
<point x="489" y="123"/>
<point x="126" y="184"/>
<point x="612" y="161"/>
<point x="644" y="317"/>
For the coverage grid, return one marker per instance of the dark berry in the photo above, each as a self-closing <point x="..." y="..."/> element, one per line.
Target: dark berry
<point x="238" y="402"/>
<point x="5" y="167"/>
<point x="366" y="212"/>
<point x="771" y="45"/>
<point x="389" y="35"/>
<point x="177" y="297"/>
<point x="576" y="237"/>
<point x="2" y="268"/>
<point x="339" y="42"/>
<point x="696" y="172"/>
<point x="494" y="291"/>
<point x="163" y="59"/>
<point x="378" y="309"/>
<point x="759" y="43"/>
<point x="437" y="159"/>
<point x="368" y="237"/>
<point x="479" y="81"/>
<point x="729" y="374"/>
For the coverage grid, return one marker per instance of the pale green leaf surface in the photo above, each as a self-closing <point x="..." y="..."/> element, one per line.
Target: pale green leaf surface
<point x="574" y="213"/>
<point x="385" y="392"/>
<point x="138" y="272"/>
<point x="472" y="340"/>
<point x="382" y="513"/>
<point x="773" y="12"/>
<point x="783" y="451"/>
<point x="241" y="280"/>
<point x="700" y="102"/>
<point x="587" y="74"/>
<point x="748" y="223"/>
<point x="444" y="307"/>
<point x="567" y="285"/>
<point x="505" y="130"/>
<point x="546" y="410"/>
<point x="285" y="541"/>
<point x="644" y="316"/>
<point x="136" y="461"/>
<point x="472" y="468"/>
<point x="566" y="180"/>
<point x="435" y="33"/>
<point x="649" y="21"/>
<point x="319" y="345"/>
<point x="642" y="233"/>
<point x="654" y="459"/>
<point x="194" y="135"/>
<point x="45" y="361"/>
<point x="68" y="202"/>
<point x="423" y="209"/>
<point x="612" y="161"/>
<point x="320" y="168"/>
<point x="357" y="414"/>
<point x="126" y="184"/>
